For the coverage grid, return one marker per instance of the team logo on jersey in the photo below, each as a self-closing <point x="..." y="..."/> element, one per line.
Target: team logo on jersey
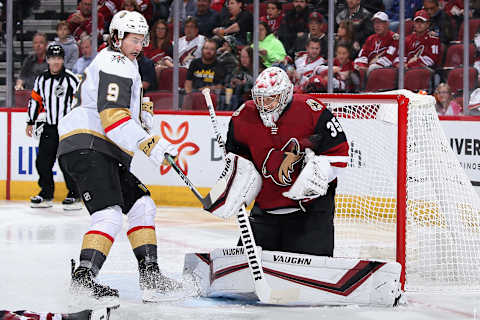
<point x="188" y="56"/>
<point x="185" y="148"/>
<point x="59" y="91"/>
<point x="315" y="105"/>
<point x="279" y="166"/>
<point x="118" y="58"/>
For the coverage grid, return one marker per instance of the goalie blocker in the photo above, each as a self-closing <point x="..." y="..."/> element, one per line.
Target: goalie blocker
<point x="316" y="280"/>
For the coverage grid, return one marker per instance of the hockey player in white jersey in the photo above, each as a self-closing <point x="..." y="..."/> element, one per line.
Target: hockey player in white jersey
<point x="97" y="141"/>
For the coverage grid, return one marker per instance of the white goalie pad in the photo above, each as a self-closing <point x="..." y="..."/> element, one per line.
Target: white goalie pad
<point x="238" y="184"/>
<point x="318" y="280"/>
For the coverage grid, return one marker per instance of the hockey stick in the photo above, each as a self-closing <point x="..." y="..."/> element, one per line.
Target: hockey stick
<point x="263" y="290"/>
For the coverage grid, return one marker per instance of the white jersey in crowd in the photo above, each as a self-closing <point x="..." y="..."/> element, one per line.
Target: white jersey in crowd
<point x="307" y="67"/>
<point x="106" y="116"/>
<point x="189" y="50"/>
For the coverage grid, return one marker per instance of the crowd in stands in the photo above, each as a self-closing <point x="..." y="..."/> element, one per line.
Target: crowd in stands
<point x="215" y="47"/>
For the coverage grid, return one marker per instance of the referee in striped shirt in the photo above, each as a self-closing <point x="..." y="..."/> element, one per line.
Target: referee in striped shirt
<point x="52" y="93"/>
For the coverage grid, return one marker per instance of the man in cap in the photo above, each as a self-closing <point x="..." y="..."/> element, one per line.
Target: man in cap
<point x="379" y="47"/>
<point x="316" y="29"/>
<point x="421" y="47"/>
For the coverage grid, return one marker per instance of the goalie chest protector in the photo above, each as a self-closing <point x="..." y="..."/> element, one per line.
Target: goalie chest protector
<point x="278" y="152"/>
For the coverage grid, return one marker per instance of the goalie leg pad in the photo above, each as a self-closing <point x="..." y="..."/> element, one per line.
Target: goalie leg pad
<point x="318" y="280"/>
<point x="238" y="184"/>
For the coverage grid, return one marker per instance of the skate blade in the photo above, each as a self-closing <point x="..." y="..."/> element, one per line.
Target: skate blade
<point x="155" y="296"/>
<point x="84" y="300"/>
<point x="72" y="207"/>
<point x="41" y="205"/>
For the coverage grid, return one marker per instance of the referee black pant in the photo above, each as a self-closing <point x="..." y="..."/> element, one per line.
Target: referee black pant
<point x="47" y="153"/>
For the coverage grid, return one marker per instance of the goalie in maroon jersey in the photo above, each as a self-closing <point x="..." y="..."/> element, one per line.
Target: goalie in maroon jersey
<point x="287" y="149"/>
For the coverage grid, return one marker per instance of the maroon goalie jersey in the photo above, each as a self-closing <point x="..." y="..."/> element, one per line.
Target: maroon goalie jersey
<point x="278" y="152"/>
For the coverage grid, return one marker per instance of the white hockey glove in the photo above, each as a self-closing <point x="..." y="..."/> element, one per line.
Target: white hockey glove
<point x="155" y="148"/>
<point x="238" y="184"/>
<point x="313" y="180"/>
<point x="146" y="114"/>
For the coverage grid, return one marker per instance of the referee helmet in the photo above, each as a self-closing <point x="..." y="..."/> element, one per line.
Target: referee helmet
<point x="55" y="50"/>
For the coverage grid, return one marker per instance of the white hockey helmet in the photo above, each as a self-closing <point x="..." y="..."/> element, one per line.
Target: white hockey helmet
<point x="128" y="22"/>
<point x="272" y="82"/>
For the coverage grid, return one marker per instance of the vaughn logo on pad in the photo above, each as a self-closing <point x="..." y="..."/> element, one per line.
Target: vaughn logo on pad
<point x="292" y="260"/>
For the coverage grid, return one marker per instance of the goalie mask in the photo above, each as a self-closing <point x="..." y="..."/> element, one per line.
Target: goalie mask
<point x="124" y="22"/>
<point x="271" y="93"/>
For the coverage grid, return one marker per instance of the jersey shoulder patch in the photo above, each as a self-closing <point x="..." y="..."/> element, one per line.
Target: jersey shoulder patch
<point x="315" y="104"/>
<point x="245" y="109"/>
<point x="114" y="62"/>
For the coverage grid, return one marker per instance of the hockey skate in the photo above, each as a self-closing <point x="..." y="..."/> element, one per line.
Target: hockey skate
<point x="97" y="314"/>
<point x="157" y="287"/>
<point x="40" y="202"/>
<point x="84" y="284"/>
<point x="71" y="203"/>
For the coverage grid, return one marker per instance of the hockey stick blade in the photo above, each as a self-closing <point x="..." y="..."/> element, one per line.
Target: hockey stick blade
<point x="206" y="202"/>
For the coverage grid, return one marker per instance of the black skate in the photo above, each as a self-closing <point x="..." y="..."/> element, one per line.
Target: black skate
<point x="40" y="202"/>
<point x="97" y="314"/>
<point x="71" y="203"/>
<point x="83" y="283"/>
<point x="157" y="287"/>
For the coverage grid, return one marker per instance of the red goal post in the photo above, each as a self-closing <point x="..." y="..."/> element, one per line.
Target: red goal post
<point x="405" y="185"/>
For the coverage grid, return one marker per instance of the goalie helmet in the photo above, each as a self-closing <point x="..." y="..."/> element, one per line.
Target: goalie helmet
<point x="124" y="22"/>
<point x="272" y="86"/>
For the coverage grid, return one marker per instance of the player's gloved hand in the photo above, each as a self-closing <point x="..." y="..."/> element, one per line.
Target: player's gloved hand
<point x="313" y="180"/>
<point x="155" y="148"/>
<point x="146" y="114"/>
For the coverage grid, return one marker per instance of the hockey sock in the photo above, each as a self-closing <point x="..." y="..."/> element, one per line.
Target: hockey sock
<point x="144" y="243"/>
<point x="95" y="248"/>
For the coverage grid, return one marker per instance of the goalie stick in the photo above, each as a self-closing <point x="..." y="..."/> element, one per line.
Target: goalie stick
<point x="263" y="290"/>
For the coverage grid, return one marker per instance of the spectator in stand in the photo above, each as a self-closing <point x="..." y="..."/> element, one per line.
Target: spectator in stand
<point x="191" y="44"/>
<point x="316" y="29"/>
<point x="241" y="80"/>
<point x="227" y="53"/>
<point x="34" y="64"/>
<point x="87" y="55"/>
<point x="68" y="43"/>
<point x="207" y="18"/>
<point x="187" y="9"/>
<point x="80" y="22"/>
<point x="271" y="50"/>
<point x="206" y="72"/>
<point x="421" y="47"/>
<point x="411" y="6"/>
<point x="360" y="18"/>
<point x="294" y="24"/>
<point x="108" y="8"/>
<point x="446" y="104"/>
<point x="160" y="49"/>
<point x="130" y="5"/>
<point x="440" y="23"/>
<point x="345" y="35"/>
<point x="274" y="16"/>
<point x="146" y="68"/>
<point x="309" y="63"/>
<point x="476" y="42"/>
<point x="344" y="79"/>
<point x="238" y="23"/>
<point x="142" y="6"/>
<point x="474" y="103"/>
<point x="379" y="48"/>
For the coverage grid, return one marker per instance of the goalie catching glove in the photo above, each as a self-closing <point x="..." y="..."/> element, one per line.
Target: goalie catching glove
<point x="238" y="185"/>
<point x="313" y="179"/>
<point x="155" y="148"/>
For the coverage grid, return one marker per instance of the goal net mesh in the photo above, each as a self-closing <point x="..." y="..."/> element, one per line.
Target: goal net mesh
<point x="442" y="208"/>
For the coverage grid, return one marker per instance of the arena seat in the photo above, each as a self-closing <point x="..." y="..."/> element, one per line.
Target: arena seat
<point x="455" y="79"/>
<point x="474" y="25"/>
<point x="263" y="8"/>
<point x="382" y="80"/>
<point x="165" y="79"/>
<point x="161" y="100"/>
<point x="418" y="79"/>
<point x="454" y="56"/>
<point x="196" y="101"/>
<point x="22" y="97"/>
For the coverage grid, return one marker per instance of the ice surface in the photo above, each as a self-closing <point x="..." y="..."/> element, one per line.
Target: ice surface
<point x="36" y="246"/>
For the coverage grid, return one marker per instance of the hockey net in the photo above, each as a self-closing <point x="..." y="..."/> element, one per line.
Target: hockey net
<point x="404" y="195"/>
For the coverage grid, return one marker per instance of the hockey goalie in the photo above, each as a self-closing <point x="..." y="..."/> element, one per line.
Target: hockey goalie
<point x="284" y="153"/>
